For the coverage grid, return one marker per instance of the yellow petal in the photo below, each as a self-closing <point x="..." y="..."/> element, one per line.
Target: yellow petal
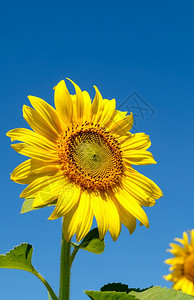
<point x="179" y="241"/>
<point x="186" y="286"/>
<point x="49" y="193"/>
<point x="84" y="216"/>
<point x="119" y="115"/>
<point x="87" y="107"/>
<point x="144" y="183"/>
<point x="176" y="250"/>
<point x="97" y="106"/>
<point x="190" y="287"/>
<point x="123" y="138"/>
<point x="63" y="102"/>
<point x="38" y="184"/>
<point x="137" y="141"/>
<point x="78" y="220"/>
<point x="138" y="157"/>
<point x="108" y="112"/>
<point x="39" y="124"/>
<point x="67" y="199"/>
<point x="123" y="197"/>
<point x="35" y="152"/>
<point x="185" y="242"/>
<point x="100" y="212"/>
<point x="143" y="197"/>
<point x="114" y="222"/>
<point x="175" y="260"/>
<point x="126" y="218"/>
<point x="168" y="277"/>
<point x="69" y="225"/>
<point x="133" y="188"/>
<point x="192" y="237"/>
<point x="32" y="138"/>
<point x="185" y="239"/>
<point x="123" y="126"/>
<point x="31" y="169"/>
<point x="47" y="112"/>
<point x="178" y="285"/>
<point x="79" y="103"/>
<point x="138" y="194"/>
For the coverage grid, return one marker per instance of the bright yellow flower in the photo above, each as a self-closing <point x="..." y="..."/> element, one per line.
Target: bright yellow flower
<point x="81" y="156"/>
<point x="182" y="264"/>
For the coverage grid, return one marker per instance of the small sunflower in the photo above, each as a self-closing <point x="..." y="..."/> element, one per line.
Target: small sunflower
<point x="81" y="157"/>
<point x="182" y="264"/>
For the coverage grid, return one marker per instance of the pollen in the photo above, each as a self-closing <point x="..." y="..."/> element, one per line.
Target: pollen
<point x="90" y="156"/>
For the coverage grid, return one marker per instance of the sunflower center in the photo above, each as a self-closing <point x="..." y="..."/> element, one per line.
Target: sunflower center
<point x="90" y="156"/>
<point x="189" y="267"/>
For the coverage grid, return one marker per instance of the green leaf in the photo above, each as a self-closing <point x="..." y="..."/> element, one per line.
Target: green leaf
<point x="91" y="242"/>
<point x="18" y="258"/>
<point x="154" y="293"/>
<point x="116" y="287"/>
<point x="109" y="296"/>
<point x="158" y="293"/>
<point x="119" y="287"/>
<point x="27" y="206"/>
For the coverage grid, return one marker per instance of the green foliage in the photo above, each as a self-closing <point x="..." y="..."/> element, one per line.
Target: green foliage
<point x="27" y="205"/>
<point x="158" y="293"/>
<point x="91" y="242"/>
<point x="119" y="287"/>
<point x="110" y="296"/>
<point x="153" y="293"/>
<point x="18" y="258"/>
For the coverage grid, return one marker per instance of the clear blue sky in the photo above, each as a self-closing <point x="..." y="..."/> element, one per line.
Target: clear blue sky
<point x="126" y="46"/>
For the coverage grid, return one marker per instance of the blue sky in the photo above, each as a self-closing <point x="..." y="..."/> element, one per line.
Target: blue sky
<point x="121" y="47"/>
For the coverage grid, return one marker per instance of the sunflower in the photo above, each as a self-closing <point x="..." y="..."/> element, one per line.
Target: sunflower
<point x="81" y="157"/>
<point x="182" y="264"/>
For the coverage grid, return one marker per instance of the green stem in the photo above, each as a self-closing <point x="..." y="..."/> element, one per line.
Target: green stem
<point x="75" y="250"/>
<point x="64" y="290"/>
<point x="50" y="290"/>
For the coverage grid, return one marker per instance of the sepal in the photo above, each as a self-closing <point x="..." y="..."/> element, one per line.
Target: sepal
<point x="91" y="242"/>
